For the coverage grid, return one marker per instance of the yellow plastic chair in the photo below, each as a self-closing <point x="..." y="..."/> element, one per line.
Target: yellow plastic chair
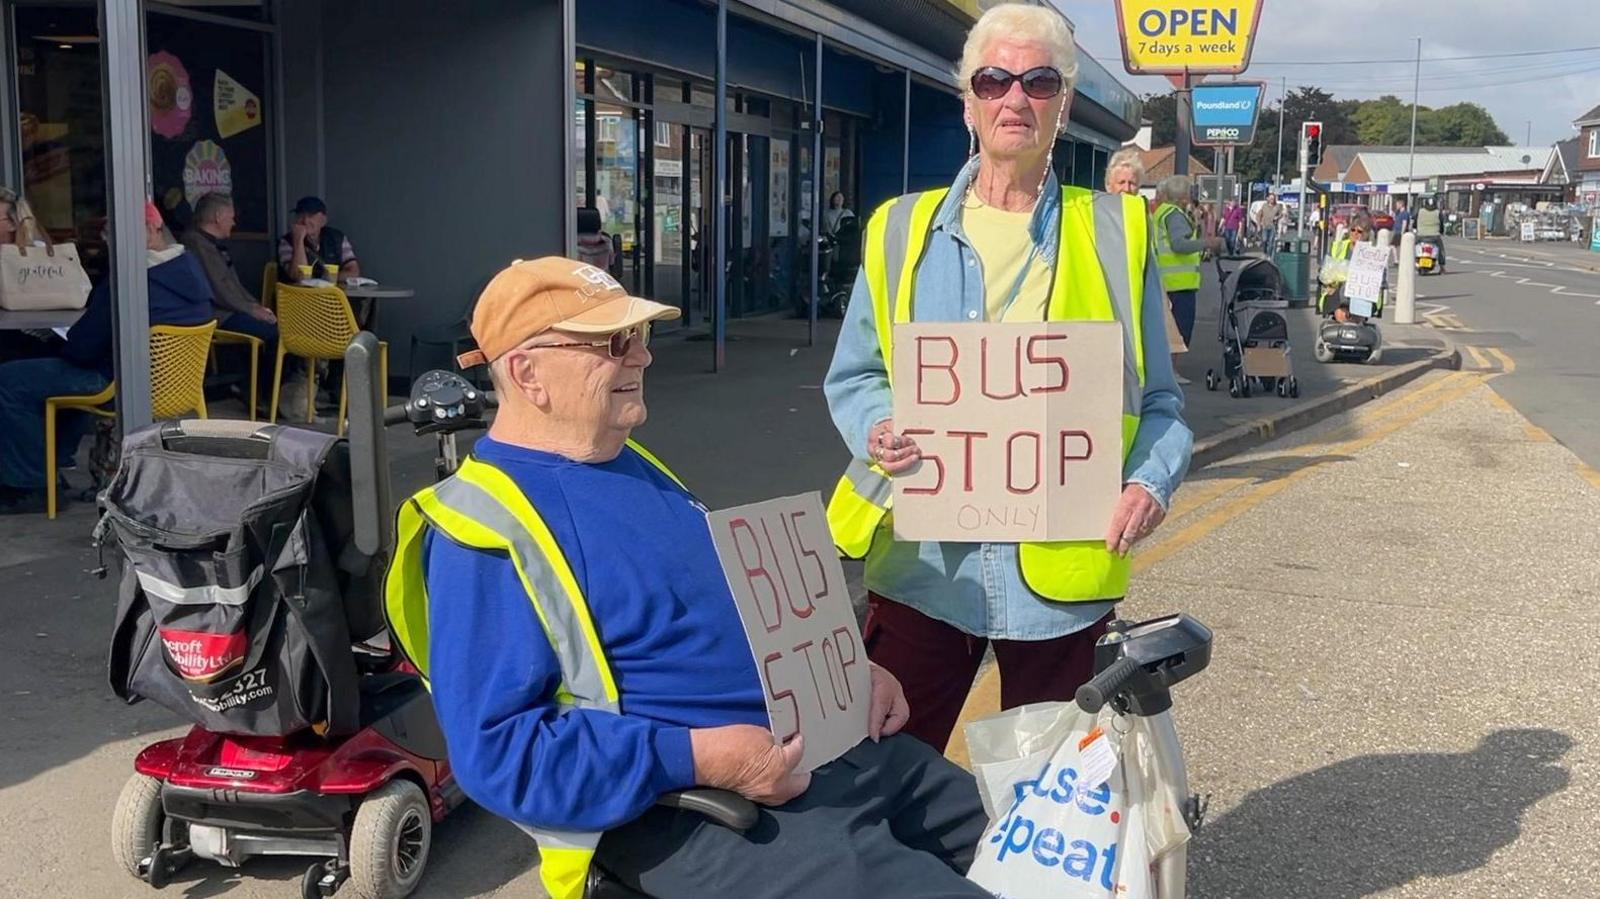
<point x="269" y="284"/>
<point x="255" y="344"/>
<point x="177" y="387"/>
<point x="317" y="323"/>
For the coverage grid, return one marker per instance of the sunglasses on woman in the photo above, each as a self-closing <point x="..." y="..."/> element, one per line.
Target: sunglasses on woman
<point x="618" y="344"/>
<point x="992" y="82"/>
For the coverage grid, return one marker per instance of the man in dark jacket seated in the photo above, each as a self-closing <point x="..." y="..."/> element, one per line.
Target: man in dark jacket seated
<point x="179" y="295"/>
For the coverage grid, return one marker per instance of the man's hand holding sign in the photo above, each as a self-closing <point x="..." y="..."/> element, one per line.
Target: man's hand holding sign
<point x="1010" y="432"/>
<point x="823" y="695"/>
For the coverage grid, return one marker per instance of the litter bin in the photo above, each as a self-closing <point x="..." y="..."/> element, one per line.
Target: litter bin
<point x="1293" y="260"/>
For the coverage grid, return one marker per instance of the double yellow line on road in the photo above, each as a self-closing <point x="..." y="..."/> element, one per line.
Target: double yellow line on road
<point x="1363" y="432"/>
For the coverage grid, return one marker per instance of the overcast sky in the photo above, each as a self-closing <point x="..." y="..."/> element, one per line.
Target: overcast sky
<point x="1548" y="90"/>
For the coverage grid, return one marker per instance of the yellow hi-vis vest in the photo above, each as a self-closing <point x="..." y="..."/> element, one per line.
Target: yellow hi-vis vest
<point x="1179" y="271"/>
<point x="1099" y="276"/>
<point x="480" y="507"/>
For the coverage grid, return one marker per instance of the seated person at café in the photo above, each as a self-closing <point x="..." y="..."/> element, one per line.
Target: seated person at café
<point x="179" y="295"/>
<point x="312" y="246"/>
<point x="236" y="308"/>
<point x="537" y="731"/>
<point x="18" y="227"/>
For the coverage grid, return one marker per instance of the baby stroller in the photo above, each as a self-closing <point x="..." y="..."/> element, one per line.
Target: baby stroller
<point x="1253" y="330"/>
<point x="250" y="605"/>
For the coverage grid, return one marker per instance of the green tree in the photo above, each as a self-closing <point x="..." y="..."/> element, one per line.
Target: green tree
<point x="1383" y="122"/>
<point x="1464" y="125"/>
<point x="1162" y="111"/>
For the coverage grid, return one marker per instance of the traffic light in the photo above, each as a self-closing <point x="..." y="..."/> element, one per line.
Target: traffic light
<point x="1310" y="144"/>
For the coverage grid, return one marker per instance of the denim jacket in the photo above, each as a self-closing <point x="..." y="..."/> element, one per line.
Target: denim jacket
<point x="978" y="587"/>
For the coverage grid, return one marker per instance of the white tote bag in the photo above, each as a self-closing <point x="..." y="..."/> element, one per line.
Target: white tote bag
<point x="1051" y="836"/>
<point x="39" y="278"/>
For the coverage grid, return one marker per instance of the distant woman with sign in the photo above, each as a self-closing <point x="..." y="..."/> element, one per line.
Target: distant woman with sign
<point x="1005" y="242"/>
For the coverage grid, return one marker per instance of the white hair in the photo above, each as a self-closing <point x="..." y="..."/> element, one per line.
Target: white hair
<point x="1020" y="22"/>
<point x="1127" y="158"/>
<point x="1175" y="188"/>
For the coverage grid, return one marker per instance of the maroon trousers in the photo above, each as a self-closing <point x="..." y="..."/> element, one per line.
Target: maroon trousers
<point x="936" y="662"/>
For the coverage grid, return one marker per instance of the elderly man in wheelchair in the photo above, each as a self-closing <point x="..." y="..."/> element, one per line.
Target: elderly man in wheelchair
<point x="562" y="594"/>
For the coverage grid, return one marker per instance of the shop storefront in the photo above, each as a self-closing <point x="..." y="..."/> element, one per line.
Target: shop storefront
<point x="207" y="86"/>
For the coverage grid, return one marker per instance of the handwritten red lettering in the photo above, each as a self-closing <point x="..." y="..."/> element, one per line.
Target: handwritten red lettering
<point x="1034" y="461"/>
<point x="755" y="572"/>
<point x="780" y="696"/>
<point x="812" y="668"/>
<point x="968" y="437"/>
<point x="938" y="464"/>
<point x="1059" y="362"/>
<point x="797" y="541"/>
<point x="1016" y="371"/>
<point x="1067" y="438"/>
<point x="924" y="366"/>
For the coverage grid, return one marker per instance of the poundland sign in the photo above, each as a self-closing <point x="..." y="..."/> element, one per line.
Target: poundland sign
<point x="1171" y="37"/>
<point x="1225" y="113"/>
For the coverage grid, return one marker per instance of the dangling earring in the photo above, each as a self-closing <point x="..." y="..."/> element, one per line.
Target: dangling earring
<point x="972" y="142"/>
<point x="1049" y="158"/>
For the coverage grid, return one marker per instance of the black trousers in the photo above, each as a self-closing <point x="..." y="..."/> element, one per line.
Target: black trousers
<point x="886" y="819"/>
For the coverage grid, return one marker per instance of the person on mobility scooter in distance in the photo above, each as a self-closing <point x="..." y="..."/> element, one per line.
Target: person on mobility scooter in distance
<point x="562" y="594"/>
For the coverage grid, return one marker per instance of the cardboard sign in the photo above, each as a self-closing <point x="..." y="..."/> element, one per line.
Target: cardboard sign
<point x="790" y="589"/>
<point x="1020" y="427"/>
<point x="1364" y="285"/>
<point x="1529" y="233"/>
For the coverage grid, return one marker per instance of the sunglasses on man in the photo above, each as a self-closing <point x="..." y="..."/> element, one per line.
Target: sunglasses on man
<point x="617" y="344"/>
<point x="993" y="82"/>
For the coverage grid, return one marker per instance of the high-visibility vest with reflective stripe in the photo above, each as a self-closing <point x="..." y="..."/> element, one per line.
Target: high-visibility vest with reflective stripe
<point x="1099" y="276"/>
<point x="1179" y="271"/>
<point x="481" y="507"/>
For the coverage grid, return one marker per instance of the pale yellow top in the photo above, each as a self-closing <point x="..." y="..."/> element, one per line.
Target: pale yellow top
<point x="1002" y="243"/>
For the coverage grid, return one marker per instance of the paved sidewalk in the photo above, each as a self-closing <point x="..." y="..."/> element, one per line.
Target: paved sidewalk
<point x="1571" y="254"/>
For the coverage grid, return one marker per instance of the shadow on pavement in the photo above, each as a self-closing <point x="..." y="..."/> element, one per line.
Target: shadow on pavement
<point x="1261" y="471"/>
<point x="1373" y="823"/>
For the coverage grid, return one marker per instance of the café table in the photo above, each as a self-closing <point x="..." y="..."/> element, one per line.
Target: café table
<point x="369" y="296"/>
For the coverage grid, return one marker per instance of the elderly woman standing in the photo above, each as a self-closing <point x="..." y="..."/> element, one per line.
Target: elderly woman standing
<point x="1005" y="242"/>
<point x="1179" y="246"/>
<point x="1125" y="171"/>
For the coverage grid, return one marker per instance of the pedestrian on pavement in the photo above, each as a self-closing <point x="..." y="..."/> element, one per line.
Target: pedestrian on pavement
<point x="1402" y="219"/>
<point x="1268" y="218"/>
<point x="1125" y="171"/>
<point x="988" y="249"/>
<point x="1232" y="224"/>
<point x="571" y="709"/>
<point x="1179" y="248"/>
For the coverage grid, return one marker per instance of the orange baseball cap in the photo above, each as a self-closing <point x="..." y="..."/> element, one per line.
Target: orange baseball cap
<point x="530" y="297"/>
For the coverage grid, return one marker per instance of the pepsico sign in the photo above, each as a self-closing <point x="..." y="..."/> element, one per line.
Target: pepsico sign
<point x="1174" y="37"/>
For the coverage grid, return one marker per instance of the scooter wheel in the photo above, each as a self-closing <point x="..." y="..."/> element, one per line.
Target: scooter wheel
<point x="136" y="823"/>
<point x="310" y="882"/>
<point x="1233" y="388"/>
<point x="1211" y="379"/>
<point x="1244" y="386"/>
<point x="1321" y="351"/>
<point x="1294" y="388"/>
<point x="389" y="842"/>
<point x="1283" y="388"/>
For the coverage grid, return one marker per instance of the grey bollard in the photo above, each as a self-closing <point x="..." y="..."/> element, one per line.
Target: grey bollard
<point x="1384" y="241"/>
<point x="1405" y="303"/>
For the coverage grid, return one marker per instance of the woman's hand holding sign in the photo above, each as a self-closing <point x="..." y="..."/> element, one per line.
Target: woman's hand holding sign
<point x="894" y="452"/>
<point x="1136" y="516"/>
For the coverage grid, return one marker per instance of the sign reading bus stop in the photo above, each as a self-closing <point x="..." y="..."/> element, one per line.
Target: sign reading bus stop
<point x="1020" y="428"/>
<point x="1197" y="37"/>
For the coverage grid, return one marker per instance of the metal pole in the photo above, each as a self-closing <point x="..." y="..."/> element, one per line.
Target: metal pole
<point x="1416" y="91"/>
<point x="1181" y="147"/>
<point x="905" y="148"/>
<point x="719" y="154"/>
<point x="123" y="85"/>
<point x="1277" y="177"/>
<point x="816" y="193"/>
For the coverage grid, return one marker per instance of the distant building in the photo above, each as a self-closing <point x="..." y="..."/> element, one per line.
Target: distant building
<point x="1588" y="161"/>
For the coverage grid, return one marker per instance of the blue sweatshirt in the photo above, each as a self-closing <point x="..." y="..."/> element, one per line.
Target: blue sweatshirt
<point x="642" y="554"/>
<point x="179" y="295"/>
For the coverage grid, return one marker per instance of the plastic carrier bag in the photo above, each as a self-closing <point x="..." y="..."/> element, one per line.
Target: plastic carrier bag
<point x="1051" y="835"/>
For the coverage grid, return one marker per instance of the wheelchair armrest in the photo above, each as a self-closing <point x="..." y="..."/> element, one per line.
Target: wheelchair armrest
<point x="722" y="806"/>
